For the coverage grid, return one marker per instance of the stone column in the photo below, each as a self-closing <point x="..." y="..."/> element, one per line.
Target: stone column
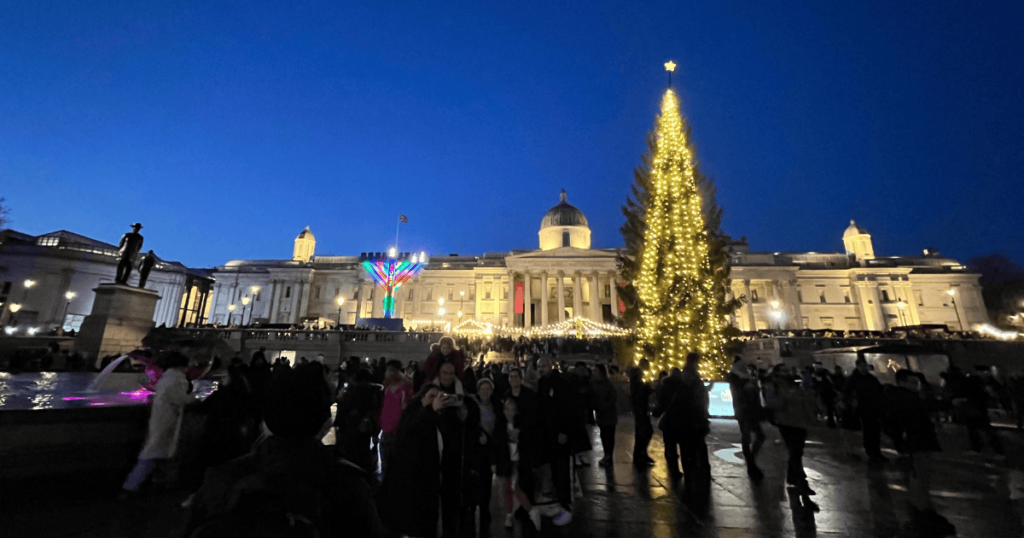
<point x="561" y="296"/>
<point x="595" y="298"/>
<point x="794" y="300"/>
<point x="544" y="300"/>
<point x="577" y="294"/>
<point x="913" y="316"/>
<point x="527" y="300"/>
<point x="272" y="307"/>
<point x="751" y="326"/>
<point x="862" y="304"/>
<point x="304" y="300"/>
<point x="614" y="298"/>
<point x="881" y="323"/>
<point x="294" y="313"/>
<point x="511" y="306"/>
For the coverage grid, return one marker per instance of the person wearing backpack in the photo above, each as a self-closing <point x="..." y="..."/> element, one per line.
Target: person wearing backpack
<point x="291" y="484"/>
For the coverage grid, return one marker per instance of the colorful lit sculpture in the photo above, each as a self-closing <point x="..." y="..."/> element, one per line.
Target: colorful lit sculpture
<point x="391" y="271"/>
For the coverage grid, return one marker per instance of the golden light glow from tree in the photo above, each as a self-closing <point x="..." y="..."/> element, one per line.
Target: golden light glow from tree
<point x="677" y="306"/>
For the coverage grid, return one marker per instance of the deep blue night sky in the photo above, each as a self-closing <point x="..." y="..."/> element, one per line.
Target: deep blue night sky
<point x="227" y="128"/>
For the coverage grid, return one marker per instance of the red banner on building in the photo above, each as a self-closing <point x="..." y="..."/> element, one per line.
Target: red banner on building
<point x="519" y="297"/>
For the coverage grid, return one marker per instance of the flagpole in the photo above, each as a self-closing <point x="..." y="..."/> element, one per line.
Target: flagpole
<point x="397" y="227"/>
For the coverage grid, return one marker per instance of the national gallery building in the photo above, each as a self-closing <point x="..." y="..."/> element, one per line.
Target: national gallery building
<point x="566" y="278"/>
<point x="562" y="279"/>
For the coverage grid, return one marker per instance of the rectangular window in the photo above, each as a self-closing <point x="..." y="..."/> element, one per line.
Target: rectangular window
<point x="885" y="296"/>
<point x="288" y="292"/>
<point x="828" y="323"/>
<point x="451" y="293"/>
<point x="753" y="296"/>
<point x="846" y="296"/>
<point x="410" y="294"/>
<point x="316" y="292"/>
<point x="355" y="292"/>
<point x="430" y="294"/>
<point x="504" y="292"/>
<point x="487" y="291"/>
<point x="821" y="297"/>
<point x="472" y="293"/>
<point x="919" y="298"/>
<point x="799" y="296"/>
<point x="607" y="290"/>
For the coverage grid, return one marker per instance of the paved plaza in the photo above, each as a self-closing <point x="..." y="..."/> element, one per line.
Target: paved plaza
<point x="980" y="493"/>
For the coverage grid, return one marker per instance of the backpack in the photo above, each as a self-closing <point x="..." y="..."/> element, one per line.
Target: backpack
<point x="266" y="505"/>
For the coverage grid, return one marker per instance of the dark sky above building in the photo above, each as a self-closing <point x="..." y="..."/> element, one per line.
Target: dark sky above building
<point x="226" y="128"/>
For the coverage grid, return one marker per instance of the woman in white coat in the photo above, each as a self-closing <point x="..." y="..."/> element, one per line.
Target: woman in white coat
<point x="172" y="394"/>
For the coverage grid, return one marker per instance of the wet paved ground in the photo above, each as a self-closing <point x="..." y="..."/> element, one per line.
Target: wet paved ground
<point x="981" y="494"/>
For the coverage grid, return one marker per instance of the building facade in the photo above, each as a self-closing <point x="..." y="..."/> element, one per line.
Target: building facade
<point x="566" y="278"/>
<point x="62" y="268"/>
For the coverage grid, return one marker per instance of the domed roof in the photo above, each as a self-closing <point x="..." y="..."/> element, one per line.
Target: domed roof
<point x="306" y="234"/>
<point x="853" y="229"/>
<point x="563" y="214"/>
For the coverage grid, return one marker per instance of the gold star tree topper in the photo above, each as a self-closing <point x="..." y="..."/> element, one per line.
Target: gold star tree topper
<point x="670" y="66"/>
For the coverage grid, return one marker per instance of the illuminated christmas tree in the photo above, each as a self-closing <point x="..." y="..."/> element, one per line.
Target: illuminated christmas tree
<point x="679" y="276"/>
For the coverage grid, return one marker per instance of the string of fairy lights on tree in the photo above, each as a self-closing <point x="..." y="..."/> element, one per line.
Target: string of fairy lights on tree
<point x="677" y="306"/>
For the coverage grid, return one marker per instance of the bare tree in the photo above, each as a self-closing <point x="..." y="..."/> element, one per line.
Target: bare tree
<point x="4" y="212"/>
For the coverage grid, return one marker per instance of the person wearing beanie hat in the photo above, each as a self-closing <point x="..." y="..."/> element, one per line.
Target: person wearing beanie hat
<point x="290" y="478"/>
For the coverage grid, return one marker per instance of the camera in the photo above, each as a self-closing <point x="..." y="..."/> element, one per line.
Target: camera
<point x="453" y="400"/>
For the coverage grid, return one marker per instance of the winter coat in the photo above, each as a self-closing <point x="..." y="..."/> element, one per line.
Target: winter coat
<point x="790" y="404"/>
<point x="866" y="390"/>
<point x="604" y="398"/>
<point x="408" y="499"/>
<point x="687" y="411"/>
<point x="560" y="413"/>
<point x="169" y="400"/>
<point x="909" y="422"/>
<point x="746" y="398"/>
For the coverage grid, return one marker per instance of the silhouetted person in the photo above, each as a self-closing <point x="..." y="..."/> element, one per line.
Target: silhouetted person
<point x="148" y="261"/>
<point x="131" y="244"/>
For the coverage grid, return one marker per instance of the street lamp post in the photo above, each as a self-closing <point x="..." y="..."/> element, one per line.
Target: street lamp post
<point x="245" y="302"/>
<point x="952" y="296"/>
<point x="15" y="307"/>
<point x="69" y="296"/>
<point x="231" y="310"/>
<point x="341" y="301"/>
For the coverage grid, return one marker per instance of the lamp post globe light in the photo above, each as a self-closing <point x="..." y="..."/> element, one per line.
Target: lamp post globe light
<point x="231" y="309"/>
<point x="952" y="296"/>
<point x="341" y="301"/>
<point x="245" y="302"/>
<point x="69" y="296"/>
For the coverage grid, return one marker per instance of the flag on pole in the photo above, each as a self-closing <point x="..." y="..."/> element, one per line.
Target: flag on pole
<point x="403" y="218"/>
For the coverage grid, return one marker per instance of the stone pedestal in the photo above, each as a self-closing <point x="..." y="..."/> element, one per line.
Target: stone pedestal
<point x="121" y="316"/>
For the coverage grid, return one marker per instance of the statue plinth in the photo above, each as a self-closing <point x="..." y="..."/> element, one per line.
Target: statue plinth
<point x="121" y="316"/>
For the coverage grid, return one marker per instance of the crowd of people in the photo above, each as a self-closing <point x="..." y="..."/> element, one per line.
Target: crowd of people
<point x="417" y="448"/>
<point x="909" y="413"/>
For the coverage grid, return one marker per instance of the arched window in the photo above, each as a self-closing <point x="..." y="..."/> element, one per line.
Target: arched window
<point x="565" y="238"/>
